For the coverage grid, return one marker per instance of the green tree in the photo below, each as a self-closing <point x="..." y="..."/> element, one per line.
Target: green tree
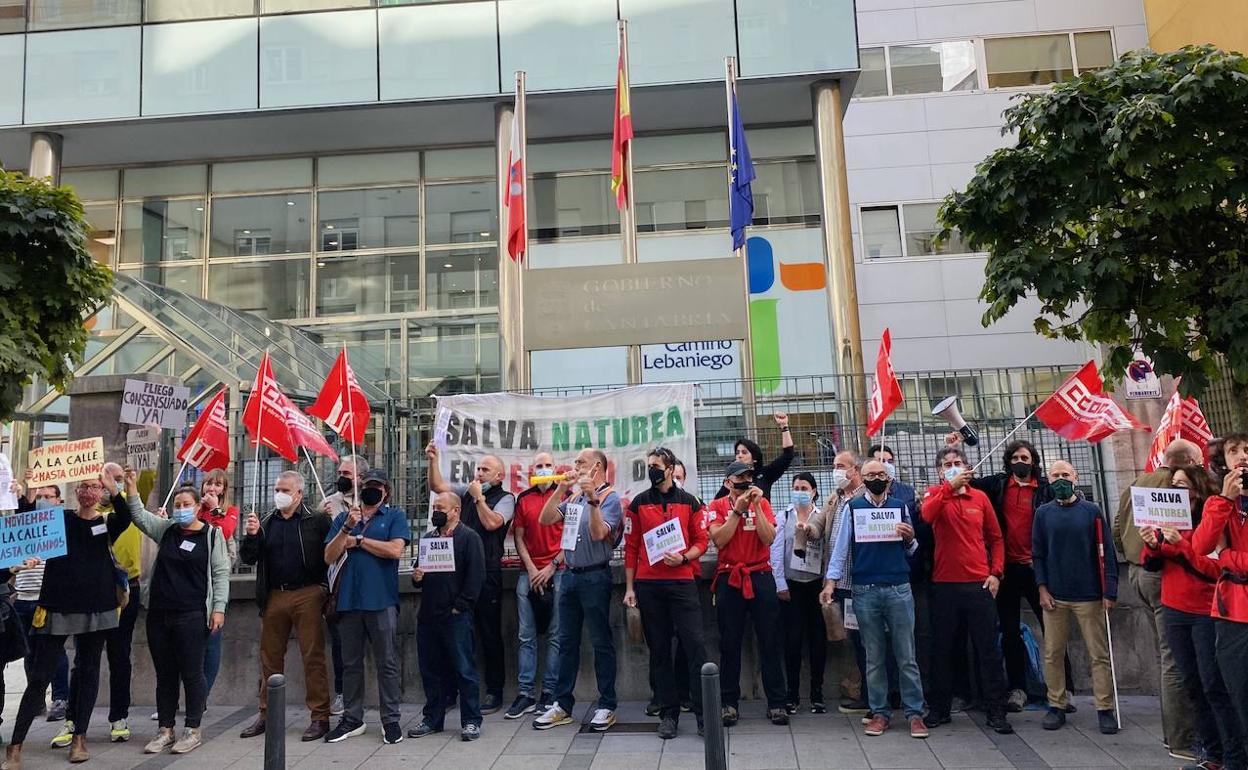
<point x="1123" y="207"/>
<point x="48" y="284"/>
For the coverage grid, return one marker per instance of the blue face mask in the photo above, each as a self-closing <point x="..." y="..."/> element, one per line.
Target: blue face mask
<point x="952" y="473"/>
<point x="183" y="516"/>
<point x="486" y="486"/>
<point x="43" y="503"/>
<point x="802" y="497"/>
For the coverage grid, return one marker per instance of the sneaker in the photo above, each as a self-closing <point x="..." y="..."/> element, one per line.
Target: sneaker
<point x="686" y="705"/>
<point x="790" y="708"/>
<point x="934" y="720"/>
<point x="730" y="716"/>
<point x="544" y="702"/>
<point x="470" y="733"/>
<point x="602" y="721"/>
<point x="959" y="705"/>
<point x="522" y="705"/>
<point x="119" y="732"/>
<point x="163" y="740"/>
<point x="1016" y="702"/>
<point x="653" y="709"/>
<point x="877" y="725"/>
<point x="191" y="739"/>
<point x="1189" y="755"/>
<point x="1000" y="724"/>
<point x="336" y="706"/>
<point x="552" y="717"/>
<point x="421" y="730"/>
<point x="1054" y="719"/>
<point x="849" y="706"/>
<point x="778" y="716"/>
<point x="817" y="706"/>
<point x="155" y="715"/>
<point x="345" y="729"/>
<point x="1106" y="721"/>
<point x="57" y="712"/>
<point x="917" y="728"/>
<point x="391" y="732"/>
<point x="491" y="704"/>
<point x="667" y="728"/>
<point x="65" y="736"/>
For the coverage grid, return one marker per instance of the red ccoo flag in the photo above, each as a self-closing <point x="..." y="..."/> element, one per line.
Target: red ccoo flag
<point x="885" y="389"/>
<point x="1182" y="419"/>
<point x="1079" y="410"/>
<point x="265" y="414"/>
<point x="341" y="403"/>
<point x="305" y="433"/>
<point x="622" y="133"/>
<point x="514" y="198"/>
<point x="207" y="446"/>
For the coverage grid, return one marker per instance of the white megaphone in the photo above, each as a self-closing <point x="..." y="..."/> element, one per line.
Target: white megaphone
<point x="947" y="410"/>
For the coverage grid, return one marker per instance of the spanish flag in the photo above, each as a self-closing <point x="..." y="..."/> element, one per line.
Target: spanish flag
<point x="622" y="136"/>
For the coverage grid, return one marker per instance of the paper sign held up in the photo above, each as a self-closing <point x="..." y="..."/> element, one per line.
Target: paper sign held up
<point x="437" y="554"/>
<point x="668" y="537"/>
<point x="1151" y="507"/>
<point x="36" y="534"/>
<point x="142" y="448"/>
<point x="150" y="403"/>
<point x="875" y="525"/>
<point x="67" y="461"/>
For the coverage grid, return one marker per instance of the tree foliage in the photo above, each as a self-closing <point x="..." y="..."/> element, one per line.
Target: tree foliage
<point x="1124" y="208"/>
<point x="48" y="282"/>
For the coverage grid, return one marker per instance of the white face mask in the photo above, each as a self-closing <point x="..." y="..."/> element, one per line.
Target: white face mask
<point x="840" y="478"/>
<point x="680" y="483"/>
<point x="283" y="500"/>
<point x="890" y="469"/>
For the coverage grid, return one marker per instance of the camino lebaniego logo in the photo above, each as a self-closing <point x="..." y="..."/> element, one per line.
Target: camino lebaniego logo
<point x="794" y="299"/>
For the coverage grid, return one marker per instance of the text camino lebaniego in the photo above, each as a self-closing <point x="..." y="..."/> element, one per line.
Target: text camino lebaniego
<point x="692" y="355"/>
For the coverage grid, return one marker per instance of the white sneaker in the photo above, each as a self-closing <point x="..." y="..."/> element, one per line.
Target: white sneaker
<point x="163" y="740"/>
<point x="603" y="720"/>
<point x="336" y="707"/>
<point x="155" y="715"/>
<point x="1016" y="702"/>
<point x="189" y="741"/>
<point x="553" y="717"/>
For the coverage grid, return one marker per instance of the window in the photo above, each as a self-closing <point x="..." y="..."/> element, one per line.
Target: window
<point x="461" y="278"/>
<point x="461" y="213"/>
<point x="294" y="6"/>
<point x="162" y="230"/>
<point x="873" y="81"/>
<point x="786" y="192"/>
<point x="367" y="285"/>
<point x="447" y="357"/>
<point x="12" y="15"/>
<point x="276" y="288"/>
<point x="571" y="206"/>
<point x="182" y="10"/>
<point x="369" y="219"/>
<point x="65" y="14"/>
<point x="681" y="199"/>
<point x="933" y="68"/>
<point x="184" y="278"/>
<point x="1093" y="50"/>
<point x="1035" y="60"/>
<point x="261" y="224"/>
<point x="883" y="228"/>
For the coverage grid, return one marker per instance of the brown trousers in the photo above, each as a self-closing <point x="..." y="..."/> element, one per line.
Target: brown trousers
<point x="299" y="610"/>
<point x="1090" y="617"/>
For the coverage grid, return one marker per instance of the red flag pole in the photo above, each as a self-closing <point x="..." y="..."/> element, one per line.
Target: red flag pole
<point x="355" y="466"/>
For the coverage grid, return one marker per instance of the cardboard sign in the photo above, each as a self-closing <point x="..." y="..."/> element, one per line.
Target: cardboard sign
<point x="8" y="500"/>
<point x="851" y="620"/>
<point x="437" y="554"/>
<point x="876" y="525"/>
<point x="149" y="403"/>
<point x="571" y="526"/>
<point x="1151" y="507"/>
<point x="142" y="448"/>
<point x="66" y="461"/>
<point x="36" y="534"/>
<point x="813" y="560"/>
<point x="663" y="539"/>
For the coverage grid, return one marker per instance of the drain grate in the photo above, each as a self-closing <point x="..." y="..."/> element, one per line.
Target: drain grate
<point x="623" y="727"/>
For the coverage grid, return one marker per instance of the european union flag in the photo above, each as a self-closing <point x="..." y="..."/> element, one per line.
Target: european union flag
<point x="740" y="174"/>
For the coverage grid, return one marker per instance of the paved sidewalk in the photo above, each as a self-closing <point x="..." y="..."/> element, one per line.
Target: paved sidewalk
<point x="831" y="741"/>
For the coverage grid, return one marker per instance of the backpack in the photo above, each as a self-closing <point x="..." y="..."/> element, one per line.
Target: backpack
<point x="1036" y="688"/>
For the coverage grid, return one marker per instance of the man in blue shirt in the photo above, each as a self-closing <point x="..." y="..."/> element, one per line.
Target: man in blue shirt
<point x="372" y="536"/>
<point x="592" y="527"/>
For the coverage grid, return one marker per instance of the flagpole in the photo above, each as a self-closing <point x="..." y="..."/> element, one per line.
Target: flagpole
<point x="355" y="465"/>
<point x="255" y="500"/>
<point x="747" y="344"/>
<point x="628" y="216"/>
<point x="176" y="479"/>
<point x="1001" y="443"/>
<point x="312" y="466"/>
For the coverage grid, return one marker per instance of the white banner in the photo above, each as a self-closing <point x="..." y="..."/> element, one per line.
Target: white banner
<point x="624" y="424"/>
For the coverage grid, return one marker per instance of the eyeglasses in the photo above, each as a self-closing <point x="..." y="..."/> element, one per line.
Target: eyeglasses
<point x="875" y="476"/>
<point x="96" y="487"/>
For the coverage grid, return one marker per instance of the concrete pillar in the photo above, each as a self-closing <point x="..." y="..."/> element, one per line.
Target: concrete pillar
<point x="45" y="156"/>
<point x="95" y="410"/>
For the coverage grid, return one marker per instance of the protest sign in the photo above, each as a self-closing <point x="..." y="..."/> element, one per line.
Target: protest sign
<point x="571" y="526"/>
<point x="851" y="620"/>
<point x="876" y="525"/>
<point x="437" y="554"/>
<point x="142" y="448"/>
<point x="150" y="403"/>
<point x="1161" y="507"/>
<point x="38" y="534"/>
<point x="668" y="537"/>
<point x="66" y="461"/>
<point x="8" y="500"/>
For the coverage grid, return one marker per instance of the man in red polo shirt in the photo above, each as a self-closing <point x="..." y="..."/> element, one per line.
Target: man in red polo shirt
<point x="969" y="560"/>
<point x="664" y="536"/>
<point x="537" y="591"/>
<point x="743" y="528"/>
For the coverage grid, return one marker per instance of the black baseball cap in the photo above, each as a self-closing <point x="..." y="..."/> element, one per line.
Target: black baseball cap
<point x="378" y="475"/>
<point x="736" y="468"/>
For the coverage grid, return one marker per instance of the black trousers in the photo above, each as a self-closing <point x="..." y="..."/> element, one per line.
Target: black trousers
<point x="672" y="608"/>
<point x="119" y="645"/>
<point x="972" y="604"/>
<point x="680" y="661"/>
<point x="488" y="615"/>
<point x="802" y="619"/>
<point x="84" y="685"/>
<point x="1193" y="643"/>
<point x="1232" y="651"/>
<point x="732" y="609"/>
<point x="1019" y="585"/>
<point x="176" y="640"/>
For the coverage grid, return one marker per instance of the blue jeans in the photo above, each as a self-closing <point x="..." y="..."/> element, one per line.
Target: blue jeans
<point x="212" y="661"/>
<point x="528" y="638"/>
<point x="60" y="679"/>
<point x="1193" y="641"/>
<point x="444" y="648"/>
<point x="878" y="607"/>
<point x="585" y="600"/>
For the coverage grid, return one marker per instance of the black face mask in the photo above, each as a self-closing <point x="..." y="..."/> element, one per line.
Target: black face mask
<point x="876" y="486"/>
<point x="742" y="485"/>
<point x="656" y="475"/>
<point x="371" y="495"/>
<point x="438" y="519"/>
<point x="1021" y="470"/>
<point x="344" y="484"/>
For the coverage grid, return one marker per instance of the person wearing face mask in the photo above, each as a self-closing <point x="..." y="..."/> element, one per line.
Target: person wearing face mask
<point x="487" y="507"/>
<point x="187" y="595"/>
<point x="288" y="551"/>
<point x="537" y="591"/>
<point x="680" y="661"/>
<point x="882" y="599"/>
<point x="79" y="598"/>
<point x="969" y="560"/>
<point x="444" y="627"/>
<point x="797" y="561"/>
<point x="1077" y="575"/>
<point x="26" y="584"/>
<point x="374" y="536"/>
<point x="765" y="474"/>
<point x="350" y="468"/>
<point x="1225" y="522"/>
<point x="1187" y="593"/>
<point x="846" y="484"/>
<point x="743" y="529"/>
<point x="662" y="585"/>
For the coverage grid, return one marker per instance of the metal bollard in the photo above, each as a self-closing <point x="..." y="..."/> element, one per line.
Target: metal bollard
<point x="275" y="724"/>
<point x="716" y="751"/>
